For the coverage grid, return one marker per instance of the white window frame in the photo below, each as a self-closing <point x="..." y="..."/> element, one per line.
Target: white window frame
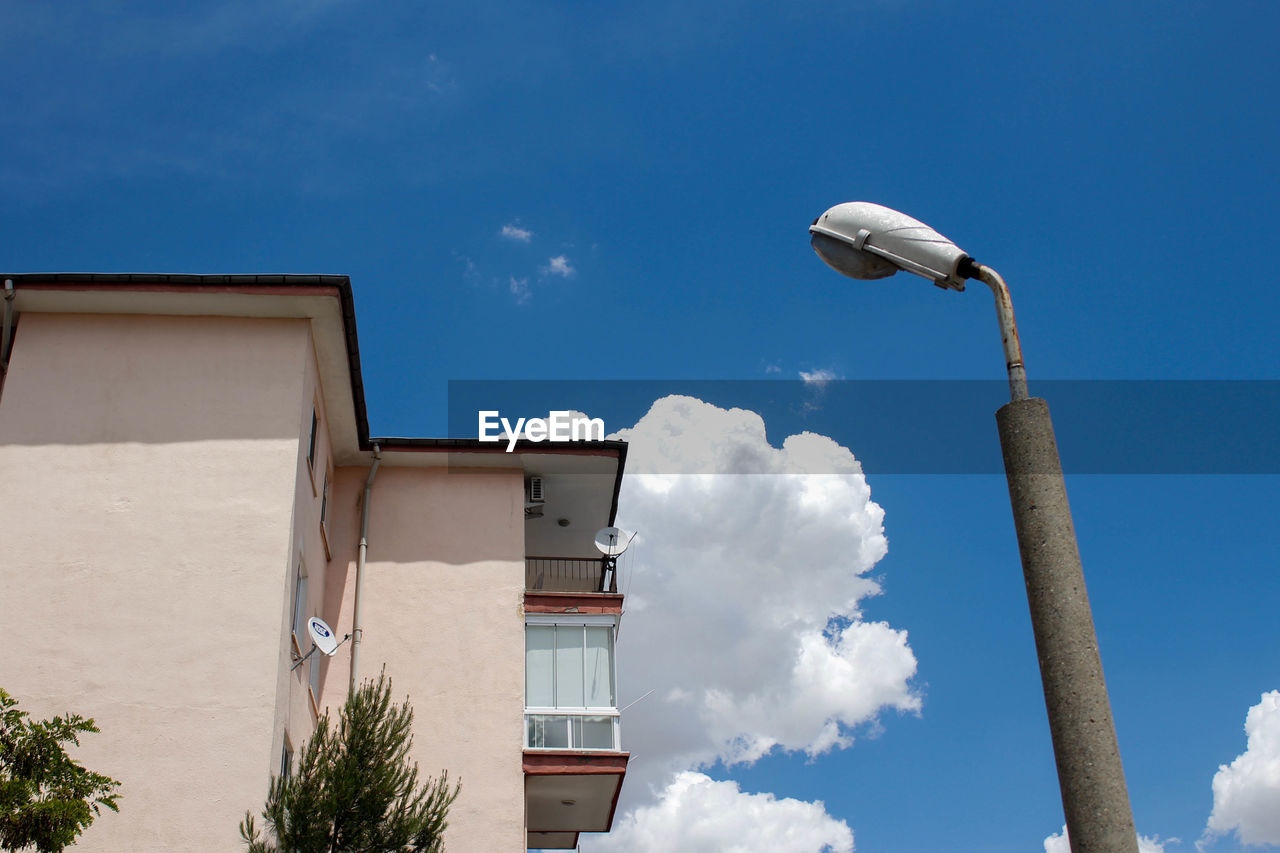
<point x="589" y="619"/>
<point x="577" y="620"/>
<point x="614" y="717"/>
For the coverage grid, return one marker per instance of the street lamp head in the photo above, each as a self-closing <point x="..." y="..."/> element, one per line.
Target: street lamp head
<point x="864" y="240"/>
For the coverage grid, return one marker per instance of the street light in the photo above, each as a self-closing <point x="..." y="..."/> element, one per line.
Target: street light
<point x="868" y="241"/>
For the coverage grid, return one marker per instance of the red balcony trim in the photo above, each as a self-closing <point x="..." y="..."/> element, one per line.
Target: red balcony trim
<point x="573" y="763"/>
<point x="573" y="602"/>
<point x="613" y="807"/>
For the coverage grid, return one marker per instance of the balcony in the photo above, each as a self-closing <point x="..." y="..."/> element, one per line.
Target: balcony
<point x="568" y="792"/>
<point x="573" y="760"/>
<point x="571" y="574"/>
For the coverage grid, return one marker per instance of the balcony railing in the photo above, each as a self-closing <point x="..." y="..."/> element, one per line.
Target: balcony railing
<point x="570" y="574"/>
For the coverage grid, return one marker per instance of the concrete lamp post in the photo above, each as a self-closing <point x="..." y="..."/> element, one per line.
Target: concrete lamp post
<point x="868" y="241"/>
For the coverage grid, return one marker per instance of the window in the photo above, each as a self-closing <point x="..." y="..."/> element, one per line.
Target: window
<point x="313" y="677"/>
<point x="569" y="666"/>
<point x="564" y="731"/>
<point x="300" y="605"/>
<point x="315" y="432"/>
<point x="324" y="501"/>
<point x="324" y="514"/>
<point x="570" y="697"/>
<point x="286" y="758"/>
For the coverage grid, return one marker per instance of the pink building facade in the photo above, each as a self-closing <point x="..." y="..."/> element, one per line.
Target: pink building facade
<point x="184" y="462"/>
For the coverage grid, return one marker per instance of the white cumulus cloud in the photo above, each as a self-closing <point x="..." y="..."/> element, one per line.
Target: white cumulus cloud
<point x="743" y="603"/>
<point x="1061" y="843"/>
<point x="1246" y="792"/>
<point x="516" y="234"/>
<point x="559" y="265"/>
<point x="700" y="815"/>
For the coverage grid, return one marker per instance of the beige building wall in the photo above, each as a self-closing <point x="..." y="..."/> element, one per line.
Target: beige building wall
<point x="442" y="611"/>
<point x="151" y="517"/>
<point x="158" y="500"/>
<point x="297" y="706"/>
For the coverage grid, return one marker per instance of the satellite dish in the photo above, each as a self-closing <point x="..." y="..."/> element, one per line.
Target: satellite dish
<point x="322" y="636"/>
<point x="612" y="541"/>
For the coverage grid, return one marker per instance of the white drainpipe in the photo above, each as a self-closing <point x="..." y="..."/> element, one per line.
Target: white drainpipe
<point x="357" y="629"/>
<point x="7" y="338"/>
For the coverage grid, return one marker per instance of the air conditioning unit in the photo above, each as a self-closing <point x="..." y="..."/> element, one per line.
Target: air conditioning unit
<point x="537" y="493"/>
<point x="534" y="498"/>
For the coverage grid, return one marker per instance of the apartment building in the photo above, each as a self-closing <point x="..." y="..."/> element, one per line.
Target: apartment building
<point x="187" y="477"/>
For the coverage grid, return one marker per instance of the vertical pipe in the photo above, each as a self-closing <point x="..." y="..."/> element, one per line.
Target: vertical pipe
<point x="357" y="626"/>
<point x="1095" y="798"/>
<point x="6" y="337"/>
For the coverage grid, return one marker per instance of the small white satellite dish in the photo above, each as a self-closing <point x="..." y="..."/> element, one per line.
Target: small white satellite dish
<point x="322" y="636"/>
<point x="612" y="541"/>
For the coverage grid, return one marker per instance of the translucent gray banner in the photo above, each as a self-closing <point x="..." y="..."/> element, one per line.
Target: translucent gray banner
<point x="943" y="427"/>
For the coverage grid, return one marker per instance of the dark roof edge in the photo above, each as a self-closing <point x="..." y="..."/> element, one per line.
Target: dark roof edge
<point x="287" y="279"/>
<point x="341" y="282"/>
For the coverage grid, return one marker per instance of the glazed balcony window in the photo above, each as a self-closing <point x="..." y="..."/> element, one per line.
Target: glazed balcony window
<point x="570" y="693"/>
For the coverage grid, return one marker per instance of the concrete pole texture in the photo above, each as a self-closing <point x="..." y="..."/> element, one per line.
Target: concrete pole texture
<point x="1090" y="774"/>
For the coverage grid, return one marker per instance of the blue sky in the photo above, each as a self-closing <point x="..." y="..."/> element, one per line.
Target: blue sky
<point x="569" y="191"/>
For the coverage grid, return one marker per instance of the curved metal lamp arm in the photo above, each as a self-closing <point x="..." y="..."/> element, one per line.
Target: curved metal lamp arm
<point x="1008" y="331"/>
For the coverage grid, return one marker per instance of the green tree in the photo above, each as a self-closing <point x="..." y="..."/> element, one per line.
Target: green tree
<point x="46" y="799"/>
<point x="355" y="788"/>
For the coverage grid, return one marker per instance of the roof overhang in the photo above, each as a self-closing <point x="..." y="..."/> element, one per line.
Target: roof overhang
<point x="581" y="479"/>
